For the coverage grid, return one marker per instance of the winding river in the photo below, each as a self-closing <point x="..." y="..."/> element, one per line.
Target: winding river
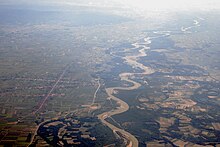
<point x="125" y="76"/>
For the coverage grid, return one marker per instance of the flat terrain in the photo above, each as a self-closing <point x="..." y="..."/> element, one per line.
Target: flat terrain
<point x="91" y="77"/>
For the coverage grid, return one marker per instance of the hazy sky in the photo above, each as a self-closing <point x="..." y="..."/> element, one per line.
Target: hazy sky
<point x="155" y="4"/>
<point x="141" y="3"/>
<point x="135" y="4"/>
<point x="173" y="4"/>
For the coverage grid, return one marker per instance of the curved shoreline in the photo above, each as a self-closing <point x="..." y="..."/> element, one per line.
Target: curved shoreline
<point x="132" y="61"/>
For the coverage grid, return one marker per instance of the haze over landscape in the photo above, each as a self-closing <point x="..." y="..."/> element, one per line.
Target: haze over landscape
<point x="110" y="73"/>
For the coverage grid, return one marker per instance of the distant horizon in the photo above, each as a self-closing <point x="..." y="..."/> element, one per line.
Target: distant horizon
<point x="137" y="4"/>
<point x="127" y="8"/>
